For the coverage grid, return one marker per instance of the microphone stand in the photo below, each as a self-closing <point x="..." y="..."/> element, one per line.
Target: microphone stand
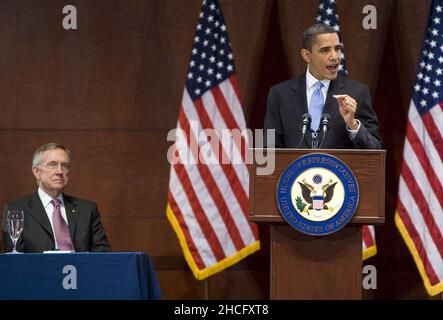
<point x="305" y="124"/>
<point x="322" y="138"/>
<point x="325" y="124"/>
<point x="314" y="144"/>
<point x="301" y="140"/>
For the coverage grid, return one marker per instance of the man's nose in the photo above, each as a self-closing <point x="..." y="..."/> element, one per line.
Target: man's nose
<point x="59" y="169"/>
<point x="335" y="55"/>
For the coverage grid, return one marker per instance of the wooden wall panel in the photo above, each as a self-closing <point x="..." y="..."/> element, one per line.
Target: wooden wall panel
<point x="143" y="234"/>
<point x="240" y="284"/>
<point x="124" y="67"/>
<point x="124" y="59"/>
<point x="180" y="285"/>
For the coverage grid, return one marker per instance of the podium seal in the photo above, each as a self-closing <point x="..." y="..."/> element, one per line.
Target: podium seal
<point x="317" y="194"/>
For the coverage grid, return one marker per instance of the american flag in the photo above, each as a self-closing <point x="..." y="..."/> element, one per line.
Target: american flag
<point x="209" y="185"/>
<point x="419" y="215"/>
<point x="327" y="14"/>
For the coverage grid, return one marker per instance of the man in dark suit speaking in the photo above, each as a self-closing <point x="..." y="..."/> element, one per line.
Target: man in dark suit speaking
<point x="53" y="220"/>
<point x="322" y="99"/>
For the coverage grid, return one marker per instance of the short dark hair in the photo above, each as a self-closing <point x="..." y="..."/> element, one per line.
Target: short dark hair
<point x="312" y="32"/>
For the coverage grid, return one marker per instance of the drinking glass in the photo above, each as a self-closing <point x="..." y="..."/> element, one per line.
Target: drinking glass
<point x="15" y="220"/>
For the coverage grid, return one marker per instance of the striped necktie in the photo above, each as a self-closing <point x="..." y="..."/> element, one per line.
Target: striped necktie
<point x="61" y="229"/>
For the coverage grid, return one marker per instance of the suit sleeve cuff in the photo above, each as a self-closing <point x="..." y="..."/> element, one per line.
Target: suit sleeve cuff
<point x="353" y="133"/>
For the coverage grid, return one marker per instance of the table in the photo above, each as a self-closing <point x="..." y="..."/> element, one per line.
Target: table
<point x="78" y="276"/>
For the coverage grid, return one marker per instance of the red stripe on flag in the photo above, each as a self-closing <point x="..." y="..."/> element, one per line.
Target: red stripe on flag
<point x="229" y="171"/>
<point x="423" y="206"/>
<point x="229" y="119"/>
<point x="184" y="228"/>
<point x="416" y="239"/>
<point x="434" y="133"/>
<point x="214" y="191"/>
<point x="367" y="237"/>
<point x="234" y="84"/>
<point x="420" y="152"/>
<point x="224" y="108"/>
<point x="199" y="213"/>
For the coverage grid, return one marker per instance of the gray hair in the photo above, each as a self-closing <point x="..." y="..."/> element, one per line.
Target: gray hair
<point x="37" y="158"/>
<point x="311" y="33"/>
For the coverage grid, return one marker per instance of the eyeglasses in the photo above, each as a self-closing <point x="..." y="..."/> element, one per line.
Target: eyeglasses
<point x="53" y="165"/>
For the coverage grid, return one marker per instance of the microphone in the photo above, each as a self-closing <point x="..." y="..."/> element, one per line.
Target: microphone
<point x="305" y="122"/>
<point x="325" y="124"/>
<point x="305" y="125"/>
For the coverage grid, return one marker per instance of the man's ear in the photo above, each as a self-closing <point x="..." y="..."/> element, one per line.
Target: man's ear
<point x="306" y="55"/>
<point x="36" y="172"/>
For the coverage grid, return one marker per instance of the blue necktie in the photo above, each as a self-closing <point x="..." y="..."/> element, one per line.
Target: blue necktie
<point x="316" y="105"/>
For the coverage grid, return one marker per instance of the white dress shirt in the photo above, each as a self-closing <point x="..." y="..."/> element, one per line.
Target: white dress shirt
<point x="310" y="87"/>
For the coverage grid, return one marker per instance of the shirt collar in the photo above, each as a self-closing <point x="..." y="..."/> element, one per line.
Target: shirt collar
<point x="311" y="80"/>
<point x="46" y="199"/>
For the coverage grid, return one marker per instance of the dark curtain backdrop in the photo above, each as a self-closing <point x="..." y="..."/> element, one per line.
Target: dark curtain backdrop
<point x="111" y="90"/>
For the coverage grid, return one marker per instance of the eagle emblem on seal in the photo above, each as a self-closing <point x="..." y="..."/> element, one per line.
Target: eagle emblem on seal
<point x="316" y="195"/>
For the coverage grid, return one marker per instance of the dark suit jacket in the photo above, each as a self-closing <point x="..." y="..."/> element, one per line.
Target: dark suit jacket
<point x="287" y="103"/>
<point x="86" y="230"/>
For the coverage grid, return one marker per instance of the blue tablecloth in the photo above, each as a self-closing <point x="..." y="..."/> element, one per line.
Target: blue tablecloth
<point x="113" y="275"/>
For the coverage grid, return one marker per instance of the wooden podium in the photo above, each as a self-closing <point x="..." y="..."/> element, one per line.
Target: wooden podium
<point x="310" y="267"/>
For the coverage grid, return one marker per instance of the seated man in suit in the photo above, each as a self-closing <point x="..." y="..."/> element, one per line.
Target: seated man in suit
<point x="353" y="122"/>
<point x="53" y="220"/>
